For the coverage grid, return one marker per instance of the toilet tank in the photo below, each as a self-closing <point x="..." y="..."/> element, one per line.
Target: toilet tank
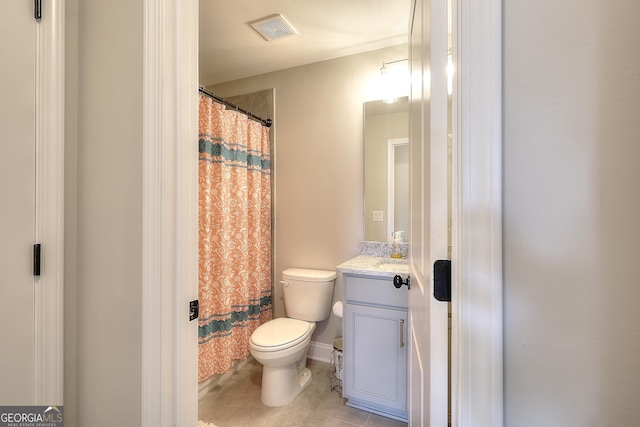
<point x="307" y="293"/>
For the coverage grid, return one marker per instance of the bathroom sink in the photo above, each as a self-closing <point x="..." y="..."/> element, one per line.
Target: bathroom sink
<point x="384" y="266"/>
<point x="396" y="265"/>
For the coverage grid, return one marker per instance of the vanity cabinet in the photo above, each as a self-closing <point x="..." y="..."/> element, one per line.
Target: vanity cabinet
<point x="375" y="345"/>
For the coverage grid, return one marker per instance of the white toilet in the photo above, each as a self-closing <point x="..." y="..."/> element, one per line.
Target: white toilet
<point x="281" y="345"/>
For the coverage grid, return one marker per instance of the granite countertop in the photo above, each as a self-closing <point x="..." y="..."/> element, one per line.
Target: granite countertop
<point x="371" y="265"/>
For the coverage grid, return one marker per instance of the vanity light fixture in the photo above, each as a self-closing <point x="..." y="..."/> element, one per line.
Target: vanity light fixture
<point x="386" y="80"/>
<point x="393" y="80"/>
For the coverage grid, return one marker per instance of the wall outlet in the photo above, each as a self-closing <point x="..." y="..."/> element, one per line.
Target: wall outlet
<point x="378" y="216"/>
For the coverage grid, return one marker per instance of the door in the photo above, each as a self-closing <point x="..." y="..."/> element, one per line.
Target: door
<point x="17" y="195"/>
<point x="428" y="318"/>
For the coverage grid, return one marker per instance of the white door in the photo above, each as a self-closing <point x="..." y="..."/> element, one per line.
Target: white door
<point x="17" y="198"/>
<point x="428" y="318"/>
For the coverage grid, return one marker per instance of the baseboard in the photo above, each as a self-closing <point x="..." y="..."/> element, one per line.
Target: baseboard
<point x="320" y="351"/>
<point x="207" y="385"/>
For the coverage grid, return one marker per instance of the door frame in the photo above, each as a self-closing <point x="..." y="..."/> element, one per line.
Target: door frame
<point x="49" y="227"/>
<point x="477" y="345"/>
<point x="169" y="366"/>
<point x="392" y="144"/>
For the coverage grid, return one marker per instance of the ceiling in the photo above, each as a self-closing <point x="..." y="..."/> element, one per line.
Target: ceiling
<point x="231" y="49"/>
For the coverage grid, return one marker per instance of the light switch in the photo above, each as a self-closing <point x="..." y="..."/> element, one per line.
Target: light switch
<point x="378" y="216"/>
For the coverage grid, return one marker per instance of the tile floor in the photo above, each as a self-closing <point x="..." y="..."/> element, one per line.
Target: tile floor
<point x="236" y="403"/>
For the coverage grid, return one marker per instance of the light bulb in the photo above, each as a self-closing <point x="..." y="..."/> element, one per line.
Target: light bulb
<point x="388" y="87"/>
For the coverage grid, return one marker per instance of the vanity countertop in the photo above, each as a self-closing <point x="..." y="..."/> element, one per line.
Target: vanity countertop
<point x="369" y="265"/>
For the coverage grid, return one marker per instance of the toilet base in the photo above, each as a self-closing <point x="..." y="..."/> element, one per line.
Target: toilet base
<point x="280" y="385"/>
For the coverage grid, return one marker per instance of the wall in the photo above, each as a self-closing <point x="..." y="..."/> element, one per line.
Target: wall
<point x="571" y="202"/>
<point x="103" y="213"/>
<point x="318" y="163"/>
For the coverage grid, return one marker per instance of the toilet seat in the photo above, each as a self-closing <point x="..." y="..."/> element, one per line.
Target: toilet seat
<point x="281" y="333"/>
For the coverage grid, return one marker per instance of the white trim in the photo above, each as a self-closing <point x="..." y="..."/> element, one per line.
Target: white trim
<point x="436" y="208"/>
<point x="49" y="342"/>
<point x="170" y="187"/>
<point x="391" y="197"/>
<point x="477" y="361"/>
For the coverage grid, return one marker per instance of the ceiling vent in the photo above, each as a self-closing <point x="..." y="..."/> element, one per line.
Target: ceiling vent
<point x="274" y="27"/>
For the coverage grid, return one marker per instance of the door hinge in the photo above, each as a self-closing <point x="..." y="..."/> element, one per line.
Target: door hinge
<point x="194" y="309"/>
<point x="442" y="280"/>
<point x="36" y="259"/>
<point x="37" y="9"/>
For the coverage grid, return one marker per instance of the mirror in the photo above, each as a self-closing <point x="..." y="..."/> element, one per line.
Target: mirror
<point x="386" y="170"/>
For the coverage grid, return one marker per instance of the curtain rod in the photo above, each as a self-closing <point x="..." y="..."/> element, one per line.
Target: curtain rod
<point x="265" y="122"/>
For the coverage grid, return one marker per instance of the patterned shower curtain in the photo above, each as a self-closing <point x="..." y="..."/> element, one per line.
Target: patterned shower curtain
<point x="234" y="208"/>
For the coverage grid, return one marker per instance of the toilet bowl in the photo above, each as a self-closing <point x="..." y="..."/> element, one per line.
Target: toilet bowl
<point x="281" y="344"/>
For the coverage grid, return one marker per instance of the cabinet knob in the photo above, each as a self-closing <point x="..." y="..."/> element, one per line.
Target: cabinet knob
<point x="398" y="282"/>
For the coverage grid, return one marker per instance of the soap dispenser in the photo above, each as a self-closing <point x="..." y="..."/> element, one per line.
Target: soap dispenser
<point x="397" y="239"/>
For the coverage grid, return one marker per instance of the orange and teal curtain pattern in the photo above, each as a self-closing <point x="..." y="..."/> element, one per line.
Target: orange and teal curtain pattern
<point x="234" y="208"/>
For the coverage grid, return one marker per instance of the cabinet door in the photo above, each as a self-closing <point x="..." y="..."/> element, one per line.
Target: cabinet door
<point x="376" y="356"/>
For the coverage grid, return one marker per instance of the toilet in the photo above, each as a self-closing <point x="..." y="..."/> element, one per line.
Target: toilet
<point x="281" y="344"/>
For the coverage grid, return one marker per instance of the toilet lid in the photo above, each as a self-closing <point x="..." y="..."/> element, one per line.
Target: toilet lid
<point x="281" y="333"/>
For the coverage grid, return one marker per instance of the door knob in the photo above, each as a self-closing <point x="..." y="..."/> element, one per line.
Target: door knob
<point x="398" y="282"/>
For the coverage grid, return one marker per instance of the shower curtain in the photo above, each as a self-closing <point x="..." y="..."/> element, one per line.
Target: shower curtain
<point x="234" y="208"/>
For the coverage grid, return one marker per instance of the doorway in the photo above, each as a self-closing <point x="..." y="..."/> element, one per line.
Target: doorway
<point x="475" y="380"/>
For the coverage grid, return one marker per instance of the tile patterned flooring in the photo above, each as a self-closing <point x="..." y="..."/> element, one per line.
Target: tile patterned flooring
<point x="236" y="403"/>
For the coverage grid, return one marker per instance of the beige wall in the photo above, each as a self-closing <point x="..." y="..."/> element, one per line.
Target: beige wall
<point x="571" y="203"/>
<point x="103" y="213"/>
<point x="318" y="163"/>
